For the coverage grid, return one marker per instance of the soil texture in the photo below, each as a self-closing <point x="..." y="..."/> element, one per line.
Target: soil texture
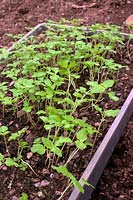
<point x="17" y="17"/>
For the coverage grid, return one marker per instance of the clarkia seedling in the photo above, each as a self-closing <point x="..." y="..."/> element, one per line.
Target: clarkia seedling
<point x="49" y="79"/>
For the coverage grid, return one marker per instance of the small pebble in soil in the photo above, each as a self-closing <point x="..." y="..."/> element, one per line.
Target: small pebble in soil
<point x="75" y="165"/>
<point x="14" y="198"/>
<point x="122" y="196"/>
<point x="11" y="192"/>
<point x="97" y="124"/>
<point x="4" y="168"/>
<point x="131" y="191"/>
<point x="40" y="194"/>
<point x="37" y="184"/>
<point x="20" y="185"/>
<point x="58" y="193"/>
<point x="44" y="183"/>
<point x="29" y="155"/>
<point x="51" y="176"/>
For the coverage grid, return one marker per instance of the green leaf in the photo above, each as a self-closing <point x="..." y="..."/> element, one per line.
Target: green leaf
<point x="68" y="117"/>
<point x="38" y="148"/>
<point x="4" y="130"/>
<point x="39" y="74"/>
<point x="44" y="119"/>
<point x="100" y="88"/>
<point x="108" y="84"/>
<point x="57" y="151"/>
<point x="40" y="112"/>
<point x="112" y="96"/>
<point x="86" y="183"/>
<point x="24" y="196"/>
<point x="1" y="158"/>
<point x="95" y="87"/>
<point x="27" y="109"/>
<point x="14" y="136"/>
<point x="82" y="90"/>
<point x="64" y="63"/>
<point x="111" y="113"/>
<point x="98" y="108"/>
<point x="23" y="144"/>
<point x="41" y="93"/>
<point x="65" y="172"/>
<point x="3" y="53"/>
<point x="62" y="169"/>
<point x="26" y="106"/>
<point x="77" y="184"/>
<point x="10" y="162"/>
<point x="48" y="126"/>
<point x="62" y="140"/>
<point x="82" y="135"/>
<point x="80" y="122"/>
<point x="90" y="129"/>
<point x="48" y="83"/>
<point x="80" y="145"/>
<point x="47" y="143"/>
<point x="89" y="144"/>
<point x="7" y="100"/>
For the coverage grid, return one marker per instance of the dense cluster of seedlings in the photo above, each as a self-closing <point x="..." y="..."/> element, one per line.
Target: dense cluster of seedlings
<point x="48" y="78"/>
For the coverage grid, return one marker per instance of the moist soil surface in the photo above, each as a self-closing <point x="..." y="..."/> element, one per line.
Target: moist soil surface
<point x="18" y="16"/>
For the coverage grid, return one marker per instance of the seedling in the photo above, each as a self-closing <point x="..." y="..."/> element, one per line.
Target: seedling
<point x="50" y="78"/>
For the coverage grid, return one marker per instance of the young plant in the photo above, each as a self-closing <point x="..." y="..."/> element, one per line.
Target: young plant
<point x="49" y="78"/>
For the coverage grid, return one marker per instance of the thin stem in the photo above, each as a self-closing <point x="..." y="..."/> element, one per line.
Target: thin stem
<point x="71" y="156"/>
<point x="69" y="185"/>
<point x="29" y="167"/>
<point x="3" y="111"/>
<point x="95" y="139"/>
<point x="6" y="146"/>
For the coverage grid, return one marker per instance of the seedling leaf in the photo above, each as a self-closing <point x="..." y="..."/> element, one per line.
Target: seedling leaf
<point x="111" y="113"/>
<point x="38" y="148"/>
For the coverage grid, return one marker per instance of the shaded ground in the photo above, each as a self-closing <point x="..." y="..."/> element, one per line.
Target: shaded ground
<point x="117" y="180"/>
<point x="17" y="16"/>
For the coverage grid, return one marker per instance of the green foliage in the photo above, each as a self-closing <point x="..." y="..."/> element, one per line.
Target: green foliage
<point x="4" y="130"/>
<point x="15" y="136"/>
<point x="1" y="158"/>
<point x="111" y="113"/>
<point x="86" y="183"/>
<point x="100" y="88"/>
<point x="65" y="172"/>
<point x="3" y="53"/>
<point x="10" y="162"/>
<point x="24" y="196"/>
<point x="38" y="148"/>
<point x="49" y="78"/>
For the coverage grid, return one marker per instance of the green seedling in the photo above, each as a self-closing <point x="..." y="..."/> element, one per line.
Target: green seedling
<point x="24" y="196"/>
<point x="50" y="78"/>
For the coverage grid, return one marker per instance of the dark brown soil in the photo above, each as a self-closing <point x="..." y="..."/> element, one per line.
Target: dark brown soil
<point x="117" y="180"/>
<point x="18" y="16"/>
